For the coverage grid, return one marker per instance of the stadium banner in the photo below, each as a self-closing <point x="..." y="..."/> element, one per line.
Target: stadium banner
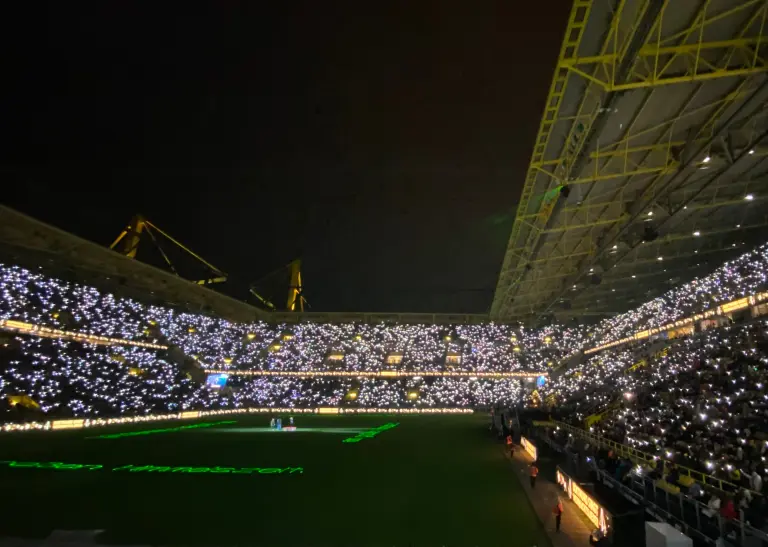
<point x="530" y="448"/>
<point x="596" y="513"/>
<point x="544" y="423"/>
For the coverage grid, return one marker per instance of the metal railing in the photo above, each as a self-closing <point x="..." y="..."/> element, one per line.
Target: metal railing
<point x="640" y="457"/>
<point x="692" y="516"/>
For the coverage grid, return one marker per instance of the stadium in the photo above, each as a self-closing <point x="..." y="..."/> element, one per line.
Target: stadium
<point x="613" y="394"/>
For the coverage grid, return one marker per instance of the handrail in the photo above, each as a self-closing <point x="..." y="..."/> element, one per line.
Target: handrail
<point x="644" y="457"/>
<point x="661" y="513"/>
<point x="635" y="494"/>
<point x="743" y="525"/>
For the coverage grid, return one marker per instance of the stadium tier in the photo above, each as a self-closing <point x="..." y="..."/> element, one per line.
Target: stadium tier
<point x="699" y="402"/>
<point x="78" y="351"/>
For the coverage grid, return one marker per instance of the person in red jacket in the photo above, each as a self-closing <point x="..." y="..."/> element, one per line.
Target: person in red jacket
<point x="729" y="514"/>
<point x="728" y="510"/>
<point x="558" y="512"/>
<point x="534" y="474"/>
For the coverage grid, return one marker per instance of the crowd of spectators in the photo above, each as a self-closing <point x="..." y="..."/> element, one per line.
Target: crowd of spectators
<point x="693" y="404"/>
<point x="220" y="344"/>
<point x="78" y="378"/>
<point x="68" y="378"/>
<point x="736" y="278"/>
<point x="71" y="378"/>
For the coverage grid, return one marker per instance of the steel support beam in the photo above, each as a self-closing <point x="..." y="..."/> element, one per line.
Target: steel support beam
<point x="637" y="53"/>
<point x="755" y="101"/>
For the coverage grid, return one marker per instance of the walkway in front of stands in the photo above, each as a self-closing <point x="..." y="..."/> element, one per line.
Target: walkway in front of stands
<point x="574" y="526"/>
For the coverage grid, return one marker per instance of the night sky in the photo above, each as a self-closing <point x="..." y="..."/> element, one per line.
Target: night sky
<point x="383" y="142"/>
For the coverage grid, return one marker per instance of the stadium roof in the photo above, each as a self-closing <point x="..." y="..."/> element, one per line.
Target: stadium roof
<point x="28" y="242"/>
<point x="649" y="166"/>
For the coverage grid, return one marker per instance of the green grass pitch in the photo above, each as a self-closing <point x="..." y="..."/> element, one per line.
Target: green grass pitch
<point x="430" y="481"/>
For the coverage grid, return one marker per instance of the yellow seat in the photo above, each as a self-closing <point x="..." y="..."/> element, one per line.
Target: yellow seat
<point x="671" y="488"/>
<point x="685" y="480"/>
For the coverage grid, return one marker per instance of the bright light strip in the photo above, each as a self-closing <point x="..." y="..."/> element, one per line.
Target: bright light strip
<point x="587" y="505"/>
<point x="735" y="305"/>
<point x="383" y="373"/>
<point x="328" y="410"/>
<point x="55" y="425"/>
<point x="67" y="424"/>
<point x="530" y="448"/>
<point x="595" y="512"/>
<point x="48" y="332"/>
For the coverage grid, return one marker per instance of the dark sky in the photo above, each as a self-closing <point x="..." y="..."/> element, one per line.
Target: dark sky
<point x="384" y="142"/>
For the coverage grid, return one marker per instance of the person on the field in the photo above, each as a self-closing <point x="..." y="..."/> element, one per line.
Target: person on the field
<point x="279" y="424"/>
<point x="272" y="423"/>
<point x="291" y="420"/>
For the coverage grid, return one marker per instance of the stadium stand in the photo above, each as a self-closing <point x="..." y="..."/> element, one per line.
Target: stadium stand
<point x="107" y="375"/>
<point x="699" y="403"/>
